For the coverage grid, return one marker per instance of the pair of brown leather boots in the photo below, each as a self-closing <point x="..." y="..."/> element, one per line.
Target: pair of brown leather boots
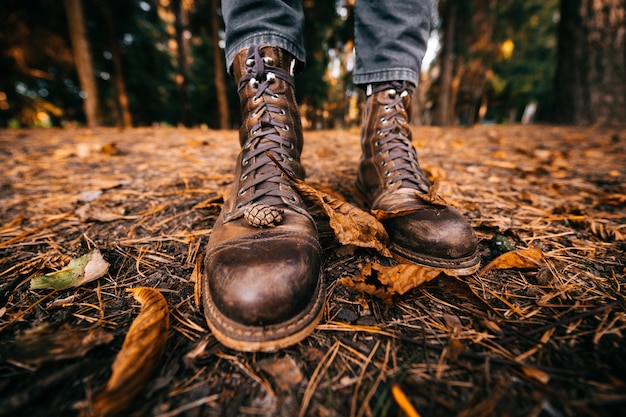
<point x="262" y="285"/>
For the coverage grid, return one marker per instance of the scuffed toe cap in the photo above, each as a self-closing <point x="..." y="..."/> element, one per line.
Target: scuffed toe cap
<point x="439" y="232"/>
<point x="258" y="282"/>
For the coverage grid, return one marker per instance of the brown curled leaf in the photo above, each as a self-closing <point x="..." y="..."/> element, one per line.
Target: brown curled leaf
<point x="143" y="347"/>
<point x="386" y="281"/>
<point x="352" y="226"/>
<point x="432" y="198"/>
<point x="522" y="258"/>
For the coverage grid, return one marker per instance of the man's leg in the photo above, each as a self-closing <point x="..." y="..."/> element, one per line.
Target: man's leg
<point x="263" y="22"/>
<point x="262" y="282"/>
<point x="390" y="43"/>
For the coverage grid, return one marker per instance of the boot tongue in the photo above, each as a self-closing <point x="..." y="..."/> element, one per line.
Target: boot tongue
<point x="265" y="82"/>
<point x="398" y="86"/>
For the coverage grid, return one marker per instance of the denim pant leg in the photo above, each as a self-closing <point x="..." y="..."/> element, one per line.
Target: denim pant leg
<point x="390" y="39"/>
<point x="263" y="22"/>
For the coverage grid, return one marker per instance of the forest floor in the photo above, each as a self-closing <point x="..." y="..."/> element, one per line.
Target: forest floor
<point x="539" y="337"/>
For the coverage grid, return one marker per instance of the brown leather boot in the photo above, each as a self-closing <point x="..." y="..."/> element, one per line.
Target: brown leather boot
<point x="262" y="283"/>
<point x="391" y="179"/>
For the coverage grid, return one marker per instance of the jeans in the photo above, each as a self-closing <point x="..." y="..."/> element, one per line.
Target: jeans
<point x="390" y="35"/>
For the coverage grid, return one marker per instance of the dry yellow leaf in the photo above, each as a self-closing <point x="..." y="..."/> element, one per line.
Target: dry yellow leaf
<point x="143" y="347"/>
<point x="386" y="281"/>
<point x="522" y="258"/>
<point x="352" y="226"/>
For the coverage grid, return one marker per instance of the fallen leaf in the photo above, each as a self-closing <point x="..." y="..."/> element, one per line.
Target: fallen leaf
<point x="453" y="322"/>
<point x="90" y="212"/>
<point x="386" y="281"/>
<point x="285" y="371"/>
<point x="431" y="198"/>
<point x="79" y="271"/>
<point x="454" y="349"/>
<point x="535" y="373"/>
<point x="142" y="349"/>
<point x="352" y="226"/>
<point x="47" y="343"/>
<point x="521" y="258"/>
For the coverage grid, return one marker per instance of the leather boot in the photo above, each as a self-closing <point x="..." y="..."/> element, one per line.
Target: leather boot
<point x="262" y="282"/>
<point x="392" y="181"/>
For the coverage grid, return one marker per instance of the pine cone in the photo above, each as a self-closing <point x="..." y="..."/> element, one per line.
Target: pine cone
<point x="260" y="215"/>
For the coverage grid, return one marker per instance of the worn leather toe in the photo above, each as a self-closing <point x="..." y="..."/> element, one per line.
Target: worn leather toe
<point x="264" y="279"/>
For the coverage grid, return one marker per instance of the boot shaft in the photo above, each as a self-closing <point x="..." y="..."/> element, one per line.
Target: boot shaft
<point x="270" y="125"/>
<point x="389" y="169"/>
<point x="274" y="66"/>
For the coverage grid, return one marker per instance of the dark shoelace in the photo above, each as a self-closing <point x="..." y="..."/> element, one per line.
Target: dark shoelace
<point x="394" y="139"/>
<point x="265" y="136"/>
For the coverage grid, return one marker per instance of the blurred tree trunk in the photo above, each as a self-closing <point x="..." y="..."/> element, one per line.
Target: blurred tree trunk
<point x="444" y="112"/>
<point x="467" y="58"/>
<point x="219" y="68"/>
<point x="590" y="85"/>
<point x="125" y="117"/>
<point x="83" y="60"/>
<point x="182" y="78"/>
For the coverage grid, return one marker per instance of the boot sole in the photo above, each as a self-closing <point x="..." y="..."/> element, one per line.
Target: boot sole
<point x="461" y="266"/>
<point x="269" y="338"/>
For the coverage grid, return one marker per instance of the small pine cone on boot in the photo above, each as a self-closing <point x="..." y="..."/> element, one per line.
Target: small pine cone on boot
<point x="260" y="215"/>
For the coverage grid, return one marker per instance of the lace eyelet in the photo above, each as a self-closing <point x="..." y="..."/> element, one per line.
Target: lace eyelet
<point x="282" y="112"/>
<point x="387" y="108"/>
<point x="249" y="62"/>
<point x="379" y="133"/>
<point x="286" y="128"/>
<point x="383" y="120"/>
<point x="377" y="143"/>
<point x="256" y="99"/>
<point x="267" y="60"/>
<point x="241" y="192"/>
<point x="239" y="206"/>
<point x="243" y="177"/>
<point x="384" y="163"/>
<point x="387" y="173"/>
<point x="391" y="183"/>
<point x="293" y="199"/>
<point x="275" y="96"/>
<point x="245" y="162"/>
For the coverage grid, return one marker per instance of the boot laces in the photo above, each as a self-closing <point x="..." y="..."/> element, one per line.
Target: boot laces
<point x="394" y="140"/>
<point x="265" y="136"/>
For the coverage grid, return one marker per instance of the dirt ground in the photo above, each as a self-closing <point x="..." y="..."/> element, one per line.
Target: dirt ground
<point x="541" y="340"/>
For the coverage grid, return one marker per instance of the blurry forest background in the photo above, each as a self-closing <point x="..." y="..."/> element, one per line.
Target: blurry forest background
<point x="160" y="63"/>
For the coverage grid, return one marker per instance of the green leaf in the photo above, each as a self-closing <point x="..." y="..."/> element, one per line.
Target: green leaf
<point x="78" y="271"/>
